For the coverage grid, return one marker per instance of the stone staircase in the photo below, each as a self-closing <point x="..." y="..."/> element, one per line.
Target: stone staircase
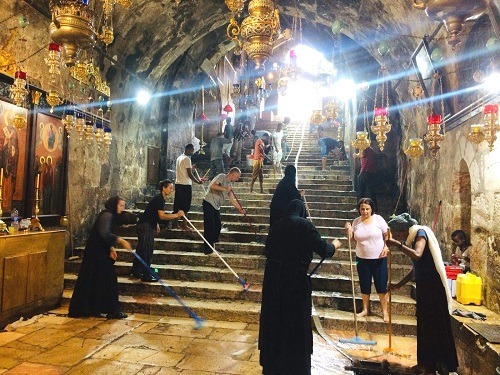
<point x="212" y="291"/>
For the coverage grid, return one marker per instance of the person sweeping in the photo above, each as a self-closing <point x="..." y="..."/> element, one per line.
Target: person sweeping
<point x="435" y="343"/>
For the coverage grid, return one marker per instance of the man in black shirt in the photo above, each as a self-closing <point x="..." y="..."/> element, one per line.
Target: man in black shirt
<point x="148" y="223"/>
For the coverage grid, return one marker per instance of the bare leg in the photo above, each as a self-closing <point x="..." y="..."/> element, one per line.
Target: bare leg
<point x="383" y="303"/>
<point x="323" y="164"/>
<point x="366" y="301"/>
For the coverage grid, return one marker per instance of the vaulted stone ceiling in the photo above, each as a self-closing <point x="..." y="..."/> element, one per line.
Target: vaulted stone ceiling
<point x="152" y="34"/>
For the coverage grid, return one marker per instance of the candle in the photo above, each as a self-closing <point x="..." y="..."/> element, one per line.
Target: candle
<point x="37" y="181"/>
<point x="1" y="177"/>
<point x="434" y="119"/>
<point x="380" y="111"/>
<point x="490" y="108"/>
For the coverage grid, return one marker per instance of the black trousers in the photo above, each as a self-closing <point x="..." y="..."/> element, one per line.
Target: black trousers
<point x="367" y="188"/>
<point x="211" y="226"/>
<point x="145" y="247"/>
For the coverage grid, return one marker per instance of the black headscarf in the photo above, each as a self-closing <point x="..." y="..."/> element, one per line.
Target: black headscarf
<point x="112" y="204"/>
<point x="290" y="173"/>
<point x="296" y="208"/>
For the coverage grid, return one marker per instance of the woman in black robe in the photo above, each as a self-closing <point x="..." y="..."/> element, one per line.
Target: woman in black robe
<point x="285" y="332"/>
<point x="96" y="289"/>
<point x="286" y="191"/>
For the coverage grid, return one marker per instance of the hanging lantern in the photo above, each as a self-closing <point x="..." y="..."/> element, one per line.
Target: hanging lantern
<point x="332" y="107"/>
<point x="380" y="126"/>
<point x="362" y="142"/>
<point x="434" y="136"/>
<point x="283" y="86"/>
<point x="68" y="120"/>
<point x="317" y="117"/>
<point x="20" y="120"/>
<point x="80" y="125"/>
<point x="476" y="134"/>
<point x="203" y="117"/>
<point x="89" y="130"/>
<point x="337" y="26"/>
<point x="52" y="98"/>
<point x="54" y="59"/>
<point x="491" y="126"/>
<point x="228" y="108"/>
<point x="19" y="90"/>
<point x="415" y="149"/>
<point x="107" y="138"/>
<point x="99" y="132"/>
<point x="259" y="30"/>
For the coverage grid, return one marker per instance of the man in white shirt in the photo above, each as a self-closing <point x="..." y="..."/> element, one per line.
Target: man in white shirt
<point x="183" y="180"/>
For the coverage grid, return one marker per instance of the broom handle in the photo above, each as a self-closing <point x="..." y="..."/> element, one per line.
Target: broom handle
<point x="352" y="286"/>
<point x="389" y="307"/>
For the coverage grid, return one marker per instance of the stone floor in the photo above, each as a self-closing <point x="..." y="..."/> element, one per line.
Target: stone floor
<point x="141" y="344"/>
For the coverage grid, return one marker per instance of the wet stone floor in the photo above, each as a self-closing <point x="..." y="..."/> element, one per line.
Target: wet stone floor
<point x="141" y="344"/>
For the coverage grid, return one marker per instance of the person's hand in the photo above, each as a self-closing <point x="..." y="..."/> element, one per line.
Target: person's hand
<point x="228" y="189"/>
<point x="336" y="243"/>
<point x="242" y="211"/>
<point x="193" y="166"/>
<point x="180" y="213"/>
<point x="203" y="179"/>
<point x="384" y="253"/>
<point x="348" y="228"/>
<point x="113" y="254"/>
<point x="392" y="242"/>
<point x="302" y="193"/>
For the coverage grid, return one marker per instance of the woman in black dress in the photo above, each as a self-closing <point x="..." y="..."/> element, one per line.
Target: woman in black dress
<point x="435" y="344"/>
<point x="96" y="289"/>
<point x="285" y="332"/>
<point x="286" y="191"/>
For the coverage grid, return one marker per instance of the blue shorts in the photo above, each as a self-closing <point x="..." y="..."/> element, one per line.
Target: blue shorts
<point x="375" y="269"/>
<point x="324" y="149"/>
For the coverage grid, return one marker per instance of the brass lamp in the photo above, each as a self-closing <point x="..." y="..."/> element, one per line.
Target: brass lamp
<point x="380" y="126"/>
<point x="362" y="142"/>
<point x="476" y="134"/>
<point x="317" y="118"/>
<point x="434" y="136"/>
<point x="72" y="27"/>
<point x="453" y="13"/>
<point x="259" y="30"/>
<point x="491" y="126"/>
<point x="19" y="90"/>
<point x="415" y="149"/>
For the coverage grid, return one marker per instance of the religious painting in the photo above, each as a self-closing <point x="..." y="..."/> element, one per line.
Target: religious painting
<point x="13" y="153"/>
<point x="49" y="163"/>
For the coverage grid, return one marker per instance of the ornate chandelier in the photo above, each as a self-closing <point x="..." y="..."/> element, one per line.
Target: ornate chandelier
<point x="317" y="117"/>
<point x="258" y="30"/>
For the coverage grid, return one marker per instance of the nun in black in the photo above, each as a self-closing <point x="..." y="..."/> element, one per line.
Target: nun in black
<point x="285" y="333"/>
<point x="286" y="191"/>
<point x="96" y="289"/>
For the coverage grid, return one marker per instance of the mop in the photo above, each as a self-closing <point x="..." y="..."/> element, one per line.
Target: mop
<point x="356" y="339"/>
<point x="245" y="285"/>
<point x="198" y="321"/>
<point x="389" y="349"/>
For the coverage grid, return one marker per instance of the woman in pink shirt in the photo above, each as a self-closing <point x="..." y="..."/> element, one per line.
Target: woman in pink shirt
<point x="370" y="231"/>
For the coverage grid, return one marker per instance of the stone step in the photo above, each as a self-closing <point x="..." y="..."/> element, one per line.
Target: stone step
<point x="230" y="311"/>
<point x="211" y="290"/>
<point x="342" y="320"/>
<point x="211" y="269"/>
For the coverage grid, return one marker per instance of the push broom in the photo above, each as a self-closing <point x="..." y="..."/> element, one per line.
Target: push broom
<point x="198" y="321"/>
<point x="245" y="285"/>
<point x="356" y="339"/>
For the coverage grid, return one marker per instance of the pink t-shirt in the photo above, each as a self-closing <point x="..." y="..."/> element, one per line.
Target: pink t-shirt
<point x="369" y="237"/>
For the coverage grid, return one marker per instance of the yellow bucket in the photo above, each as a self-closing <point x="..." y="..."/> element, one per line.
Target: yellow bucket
<point x="469" y="289"/>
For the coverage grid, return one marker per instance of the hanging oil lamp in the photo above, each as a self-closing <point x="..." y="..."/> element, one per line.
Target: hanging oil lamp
<point x="362" y="142"/>
<point x="380" y="126"/>
<point x="19" y="90"/>
<point x="476" y="134"/>
<point x="434" y="136"/>
<point x="415" y="149"/>
<point x="491" y="126"/>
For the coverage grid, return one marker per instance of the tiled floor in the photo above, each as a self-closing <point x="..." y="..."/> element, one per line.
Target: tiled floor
<point x="140" y="344"/>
